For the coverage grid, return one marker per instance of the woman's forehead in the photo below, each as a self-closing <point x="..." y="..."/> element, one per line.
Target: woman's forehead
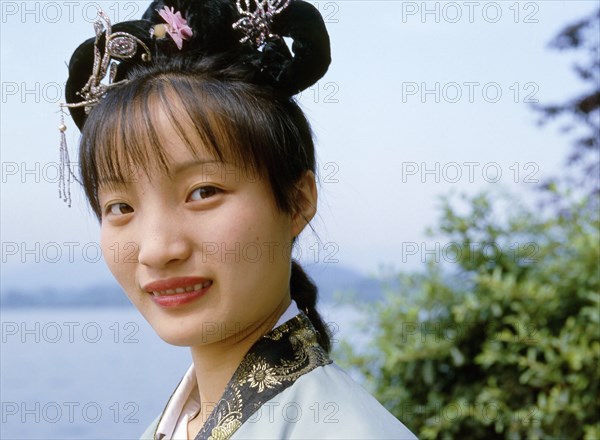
<point x="180" y="143"/>
<point x="169" y="133"/>
<point x="173" y="125"/>
<point x="162" y="133"/>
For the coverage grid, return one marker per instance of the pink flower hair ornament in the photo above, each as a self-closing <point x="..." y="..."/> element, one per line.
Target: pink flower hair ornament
<point x="176" y="26"/>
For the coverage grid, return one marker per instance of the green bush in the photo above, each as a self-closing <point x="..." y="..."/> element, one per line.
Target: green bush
<point x="501" y="341"/>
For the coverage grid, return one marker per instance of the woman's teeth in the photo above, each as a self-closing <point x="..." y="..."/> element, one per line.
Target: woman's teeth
<point x="183" y="289"/>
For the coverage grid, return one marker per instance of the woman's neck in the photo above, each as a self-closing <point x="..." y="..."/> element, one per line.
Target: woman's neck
<point x="214" y="364"/>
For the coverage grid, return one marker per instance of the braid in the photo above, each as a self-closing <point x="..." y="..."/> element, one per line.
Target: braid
<point x="304" y="292"/>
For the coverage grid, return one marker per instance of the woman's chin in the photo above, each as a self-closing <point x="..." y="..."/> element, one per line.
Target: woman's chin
<point x="185" y="337"/>
<point x="179" y="339"/>
<point x="178" y="342"/>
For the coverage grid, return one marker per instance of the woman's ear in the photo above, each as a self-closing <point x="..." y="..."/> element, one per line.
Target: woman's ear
<point x="305" y="202"/>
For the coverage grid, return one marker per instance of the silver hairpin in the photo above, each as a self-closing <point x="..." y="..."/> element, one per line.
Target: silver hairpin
<point x="119" y="45"/>
<point x="256" y="24"/>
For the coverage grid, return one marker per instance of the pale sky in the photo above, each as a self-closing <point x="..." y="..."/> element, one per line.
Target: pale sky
<point x="421" y="98"/>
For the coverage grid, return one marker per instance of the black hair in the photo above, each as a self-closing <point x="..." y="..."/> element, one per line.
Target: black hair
<point x="257" y="127"/>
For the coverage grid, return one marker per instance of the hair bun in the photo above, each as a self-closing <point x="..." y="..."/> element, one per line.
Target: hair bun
<point x="312" y="54"/>
<point x="212" y="24"/>
<point x="216" y="29"/>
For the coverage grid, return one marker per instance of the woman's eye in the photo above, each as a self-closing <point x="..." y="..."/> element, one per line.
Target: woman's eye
<point x="119" y="209"/>
<point x="203" y="192"/>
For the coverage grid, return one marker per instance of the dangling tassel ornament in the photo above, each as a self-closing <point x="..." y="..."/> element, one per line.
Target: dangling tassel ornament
<point x="64" y="169"/>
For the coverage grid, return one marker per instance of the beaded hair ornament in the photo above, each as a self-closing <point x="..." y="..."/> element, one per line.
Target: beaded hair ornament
<point x="119" y="45"/>
<point x="252" y="29"/>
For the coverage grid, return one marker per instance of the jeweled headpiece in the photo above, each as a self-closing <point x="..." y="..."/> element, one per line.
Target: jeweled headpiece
<point x="251" y="30"/>
<point x="256" y="22"/>
<point x="118" y="45"/>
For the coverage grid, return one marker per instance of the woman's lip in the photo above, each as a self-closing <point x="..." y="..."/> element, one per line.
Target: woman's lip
<point x="173" y="283"/>
<point x="179" y="299"/>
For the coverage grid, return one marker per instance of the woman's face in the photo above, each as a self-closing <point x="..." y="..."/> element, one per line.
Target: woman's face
<point x="202" y="251"/>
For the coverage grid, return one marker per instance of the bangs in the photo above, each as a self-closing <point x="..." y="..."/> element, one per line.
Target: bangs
<point x="262" y="133"/>
<point x="123" y="135"/>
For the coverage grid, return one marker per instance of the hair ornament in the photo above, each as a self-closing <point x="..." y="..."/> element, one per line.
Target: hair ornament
<point x="65" y="173"/>
<point x="120" y="45"/>
<point x="256" y="23"/>
<point x="176" y="26"/>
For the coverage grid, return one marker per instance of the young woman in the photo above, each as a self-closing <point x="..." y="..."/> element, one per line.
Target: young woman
<point x="200" y="165"/>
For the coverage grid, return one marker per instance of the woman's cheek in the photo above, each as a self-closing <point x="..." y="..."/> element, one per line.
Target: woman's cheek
<point x="119" y="261"/>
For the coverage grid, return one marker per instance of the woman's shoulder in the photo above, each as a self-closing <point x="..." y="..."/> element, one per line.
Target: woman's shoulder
<point x="324" y="403"/>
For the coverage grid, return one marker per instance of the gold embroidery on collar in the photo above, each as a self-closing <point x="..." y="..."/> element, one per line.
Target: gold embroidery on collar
<point x="273" y="364"/>
<point x="225" y="430"/>
<point x="261" y="376"/>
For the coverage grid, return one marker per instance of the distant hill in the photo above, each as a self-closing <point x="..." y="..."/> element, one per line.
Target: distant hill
<point x="329" y="278"/>
<point x="101" y="296"/>
<point x="333" y="278"/>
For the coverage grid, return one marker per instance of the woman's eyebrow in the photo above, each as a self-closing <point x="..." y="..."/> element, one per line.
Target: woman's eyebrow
<point x="184" y="166"/>
<point x="113" y="183"/>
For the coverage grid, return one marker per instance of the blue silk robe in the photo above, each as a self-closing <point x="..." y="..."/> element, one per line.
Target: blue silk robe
<point x="286" y="387"/>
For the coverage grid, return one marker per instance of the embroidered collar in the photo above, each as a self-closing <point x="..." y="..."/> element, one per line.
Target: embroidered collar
<point x="273" y="364"/>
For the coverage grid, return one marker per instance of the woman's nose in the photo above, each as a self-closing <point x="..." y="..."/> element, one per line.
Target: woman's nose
<point x="162" y="242"/>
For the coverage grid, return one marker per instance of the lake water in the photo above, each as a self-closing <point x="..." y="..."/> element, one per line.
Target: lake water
<point x="94" y="373"/>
